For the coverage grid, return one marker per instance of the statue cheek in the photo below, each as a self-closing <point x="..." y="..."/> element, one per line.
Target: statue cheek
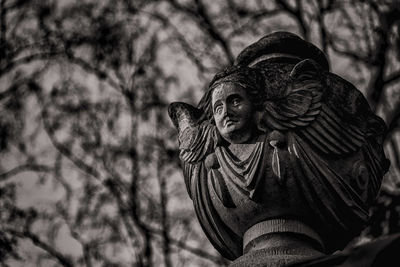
<point x="217" y="119"/>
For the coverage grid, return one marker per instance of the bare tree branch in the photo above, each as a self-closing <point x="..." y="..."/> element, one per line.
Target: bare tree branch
<point x="197" y="251"/>
<point x="163" y="205"/>
<point x="204" y="21"/>
<point x="29" y="167"/>
<point x="297" y="14"/>
<point x="393" y="77"/>
<point x="102" y="74"/>
<point x="396" y="153"/>
<point x="51" y="250"/>
<point x="63" y="149"/>
<point x="393" y="122"/>
<point x="387" y="20"/>
<point x="27" y="59"/>
<point x="182" y="41"/>
<point x="3" y="29"/>
<point x="320" y="15"/>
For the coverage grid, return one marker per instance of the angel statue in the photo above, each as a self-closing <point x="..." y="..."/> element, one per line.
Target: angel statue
<point x="281" y="158"/>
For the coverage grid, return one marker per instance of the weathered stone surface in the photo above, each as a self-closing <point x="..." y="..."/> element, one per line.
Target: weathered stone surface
<point x="281" y="158"/>
<point x="281" y="44"/>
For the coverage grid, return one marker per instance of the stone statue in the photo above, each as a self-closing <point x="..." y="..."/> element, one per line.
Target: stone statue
<point x="281" y="158"/>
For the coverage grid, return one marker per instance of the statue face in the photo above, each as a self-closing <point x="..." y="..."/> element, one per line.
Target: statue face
<point x="233" y="112"/>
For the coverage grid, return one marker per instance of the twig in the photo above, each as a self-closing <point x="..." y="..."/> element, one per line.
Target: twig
<point x="203" y="20"/>
<point x="296" y="13"/>
<point x="51" y="250"/>
<point x="392" y="77"/>
<point x="25" y="168"/>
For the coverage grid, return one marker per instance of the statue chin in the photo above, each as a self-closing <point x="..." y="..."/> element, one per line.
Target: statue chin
<point x="237" y="137"/>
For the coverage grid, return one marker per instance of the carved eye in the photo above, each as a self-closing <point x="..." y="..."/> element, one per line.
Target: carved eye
<point x="218" y="109"/>
<point x="236" y="101"/>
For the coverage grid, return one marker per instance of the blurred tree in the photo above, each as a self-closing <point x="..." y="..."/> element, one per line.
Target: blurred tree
<point x="89" y="172"/>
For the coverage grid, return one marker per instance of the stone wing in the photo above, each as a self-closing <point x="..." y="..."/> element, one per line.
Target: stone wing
<point x="195" y="143"/>
<point x="307" y="110"/>
<point x="196" y="140"/>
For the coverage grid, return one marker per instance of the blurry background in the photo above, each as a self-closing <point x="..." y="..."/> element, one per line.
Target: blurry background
<point x="89" y="169"/>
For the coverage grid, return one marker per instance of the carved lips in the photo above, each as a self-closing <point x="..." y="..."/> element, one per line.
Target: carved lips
<point x="229" y="121"/>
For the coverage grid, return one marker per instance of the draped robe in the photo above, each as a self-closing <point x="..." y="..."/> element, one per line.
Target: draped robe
<point x="331" y="195"/>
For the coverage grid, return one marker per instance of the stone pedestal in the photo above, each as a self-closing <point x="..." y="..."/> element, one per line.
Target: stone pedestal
<point x="279" y="242"/>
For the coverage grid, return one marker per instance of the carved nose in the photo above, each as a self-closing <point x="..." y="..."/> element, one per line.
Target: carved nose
<point x="224" y="111"/>
<point x="227" y="110"/>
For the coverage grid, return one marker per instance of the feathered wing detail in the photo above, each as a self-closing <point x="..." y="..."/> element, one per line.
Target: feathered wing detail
<point x="195" y="143"/>
<point x="331" y="134"/>
<point x="300" y="106"/>
<point x="305" y="111"/>
<point x="196" y="140"/>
